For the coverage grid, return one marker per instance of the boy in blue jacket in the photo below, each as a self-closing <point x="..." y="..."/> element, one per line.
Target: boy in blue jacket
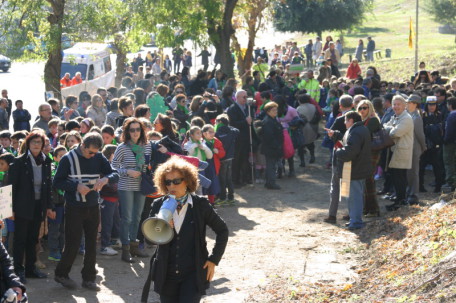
<point x="227" y="134"/>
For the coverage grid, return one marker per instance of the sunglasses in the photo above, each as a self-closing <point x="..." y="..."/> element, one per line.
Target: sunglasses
<point x="134" y="130"/>
<point x="91" y="152"/>
<point x="363" y="108"/>
<point x="174" y="181"/>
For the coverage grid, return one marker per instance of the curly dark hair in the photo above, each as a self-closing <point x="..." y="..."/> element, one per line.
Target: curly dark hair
<point x="188" y="171"/>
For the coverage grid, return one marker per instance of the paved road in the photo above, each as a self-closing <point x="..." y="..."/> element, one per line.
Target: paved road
<point x="24" y="81"/>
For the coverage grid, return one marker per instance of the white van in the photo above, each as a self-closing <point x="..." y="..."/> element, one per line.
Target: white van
<point x="93" y="61"/>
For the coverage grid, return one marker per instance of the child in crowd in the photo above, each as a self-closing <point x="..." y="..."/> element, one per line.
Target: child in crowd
<point x="227" y="135"/>
<point x="86" y="125"/>
<point x="62" y="139"/>
<point x="15" y="137"/>
<point x="56" y="230"/>
<point x="109" y="210"/>
<point x="6" y="160"/>
<point x="53" y="126"/>
<point x="5" y="141"/>
<point x="195" y="147"/>
<point x="72" y="139"/>
<point x="212" y="171"/>
<point x="107" y="132"/>
<point x="61" y="128"/>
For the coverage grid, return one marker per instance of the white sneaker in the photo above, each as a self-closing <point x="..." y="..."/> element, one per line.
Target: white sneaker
<point x="108" y="251"/>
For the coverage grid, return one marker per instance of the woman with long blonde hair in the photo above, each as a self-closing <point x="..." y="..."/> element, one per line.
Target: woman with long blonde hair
<point x="372" y="122"/>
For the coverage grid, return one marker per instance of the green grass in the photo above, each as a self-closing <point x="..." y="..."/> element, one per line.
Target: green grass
<point x="388" y="24"/>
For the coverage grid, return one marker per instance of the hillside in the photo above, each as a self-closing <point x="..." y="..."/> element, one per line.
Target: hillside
<point x="388" y="25"/>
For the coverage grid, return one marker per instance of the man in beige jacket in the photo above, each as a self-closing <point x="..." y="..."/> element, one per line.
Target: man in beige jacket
<point x="400" y="128"/>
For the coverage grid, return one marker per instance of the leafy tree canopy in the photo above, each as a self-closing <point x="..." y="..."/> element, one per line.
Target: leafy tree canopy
<point x="315" y="16"/>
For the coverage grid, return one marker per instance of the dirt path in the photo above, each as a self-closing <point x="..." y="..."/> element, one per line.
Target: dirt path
<point x="271" y="233"/>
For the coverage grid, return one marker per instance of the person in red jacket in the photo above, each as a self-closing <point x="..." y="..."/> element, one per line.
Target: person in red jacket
<point x="76" y="79"/>
<point x="65" y="81"/>
<point x="353" y="70"/>
<point x="212" y="171"/>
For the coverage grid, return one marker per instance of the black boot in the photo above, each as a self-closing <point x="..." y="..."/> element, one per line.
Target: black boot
<point x="291" y="170"/>
<point x="311" y="148"/>
<point x="301" y="153"/>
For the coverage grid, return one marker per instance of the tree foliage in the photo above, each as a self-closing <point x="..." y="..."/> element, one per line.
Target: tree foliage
<point x="315" y="16"/>
<point x="250" y="16"/>
<point x="442" y="11"/>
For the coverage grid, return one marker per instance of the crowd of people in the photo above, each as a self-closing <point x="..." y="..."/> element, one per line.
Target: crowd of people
<point x="234" y="133"/>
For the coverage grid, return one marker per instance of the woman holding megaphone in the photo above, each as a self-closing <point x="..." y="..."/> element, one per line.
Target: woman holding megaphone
<point x="182" y="268"/>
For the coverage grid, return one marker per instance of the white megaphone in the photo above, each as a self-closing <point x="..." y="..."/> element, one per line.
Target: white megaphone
<point x="157" y="229"/>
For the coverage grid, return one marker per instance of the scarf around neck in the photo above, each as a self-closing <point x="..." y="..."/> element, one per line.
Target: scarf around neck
<point x="138" y="151"/>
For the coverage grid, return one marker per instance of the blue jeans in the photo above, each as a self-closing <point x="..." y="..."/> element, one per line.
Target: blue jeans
<point x="131" y="207"/>
<point x="356" y="202"/>
<point x="110" y="221"/>
<point x="370" y="56"/>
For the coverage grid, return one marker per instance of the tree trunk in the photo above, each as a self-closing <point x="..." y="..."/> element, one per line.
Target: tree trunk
<point x="319" y="33"/>
<point x="121" y="57"/>
<point x="220" y="36"/>
<point x="54" y="63"/>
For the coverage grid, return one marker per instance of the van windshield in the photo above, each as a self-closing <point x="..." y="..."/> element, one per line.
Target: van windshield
<point x="73" y="69"/>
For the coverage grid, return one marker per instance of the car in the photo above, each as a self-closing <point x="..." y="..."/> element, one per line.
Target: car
<point x="5" y="63"/>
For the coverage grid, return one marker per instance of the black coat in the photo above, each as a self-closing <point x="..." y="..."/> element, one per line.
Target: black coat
<point x="237" y="120"/>
<point x="204" y="215"/>
<point x="21" y="177"/>
<point x="272" y="138"/>
<point x="357" y="149"/>
<point x="8" y="278"/>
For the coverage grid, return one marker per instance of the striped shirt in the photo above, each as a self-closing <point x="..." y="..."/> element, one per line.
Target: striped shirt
<point x="76" y="176"/>
<point x="124" y="159"/>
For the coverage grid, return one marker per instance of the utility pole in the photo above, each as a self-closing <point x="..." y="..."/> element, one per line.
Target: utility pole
<point x="416" y="35"/>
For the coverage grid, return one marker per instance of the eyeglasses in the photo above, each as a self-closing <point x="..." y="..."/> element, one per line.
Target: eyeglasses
<point x="133" y="130"/>
<point x="363" y="108"/>
<point x="174" y="181"/>
<point x="36" y="142"/>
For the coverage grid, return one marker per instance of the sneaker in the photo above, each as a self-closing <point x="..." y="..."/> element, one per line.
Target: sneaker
<point x="108" y="251"/>
<point x="66" y="282"/>
<point x="91" y="285"/>
<point x="55" y="256"/>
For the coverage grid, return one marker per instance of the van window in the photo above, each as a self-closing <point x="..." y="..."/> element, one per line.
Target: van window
<point x="73" y="69"/>
<point x="107" y="64"/>
<point x="91" y="72"/>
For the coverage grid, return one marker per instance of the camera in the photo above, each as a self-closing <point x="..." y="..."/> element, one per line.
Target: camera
<point x="251" y="101"/>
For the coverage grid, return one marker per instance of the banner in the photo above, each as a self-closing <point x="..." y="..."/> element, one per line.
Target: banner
<point x="411" y="34"/>
<point x="6" y="202"/>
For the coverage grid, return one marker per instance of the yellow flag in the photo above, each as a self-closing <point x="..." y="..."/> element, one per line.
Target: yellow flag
<point x="411" y="34"/>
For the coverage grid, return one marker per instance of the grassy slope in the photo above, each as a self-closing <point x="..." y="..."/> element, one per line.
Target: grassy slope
<point x="388" y="24"/>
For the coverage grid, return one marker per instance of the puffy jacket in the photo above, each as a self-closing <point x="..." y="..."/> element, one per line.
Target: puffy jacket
<point x="227" y="135"/>
<point x="357" y="149"/>
<point x="272" y="138"/>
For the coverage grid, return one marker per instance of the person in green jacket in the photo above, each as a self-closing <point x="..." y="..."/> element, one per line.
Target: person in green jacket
<point x="156" y="102"/>
<point x="311" y="85"/>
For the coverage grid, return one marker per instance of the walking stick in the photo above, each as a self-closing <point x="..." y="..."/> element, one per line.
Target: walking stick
<point x="250" y="102"/>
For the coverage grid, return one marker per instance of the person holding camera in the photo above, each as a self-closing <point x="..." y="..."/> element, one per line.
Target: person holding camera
<point x="78" y="175"/>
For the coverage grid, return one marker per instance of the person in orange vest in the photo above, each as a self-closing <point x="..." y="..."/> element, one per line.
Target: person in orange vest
<point x="65" y="81"/>
<point x="76" y="79"/>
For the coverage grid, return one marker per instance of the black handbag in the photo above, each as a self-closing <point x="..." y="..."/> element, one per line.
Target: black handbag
<point x="381" y="140"/>
<point x="147" y="183"/>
